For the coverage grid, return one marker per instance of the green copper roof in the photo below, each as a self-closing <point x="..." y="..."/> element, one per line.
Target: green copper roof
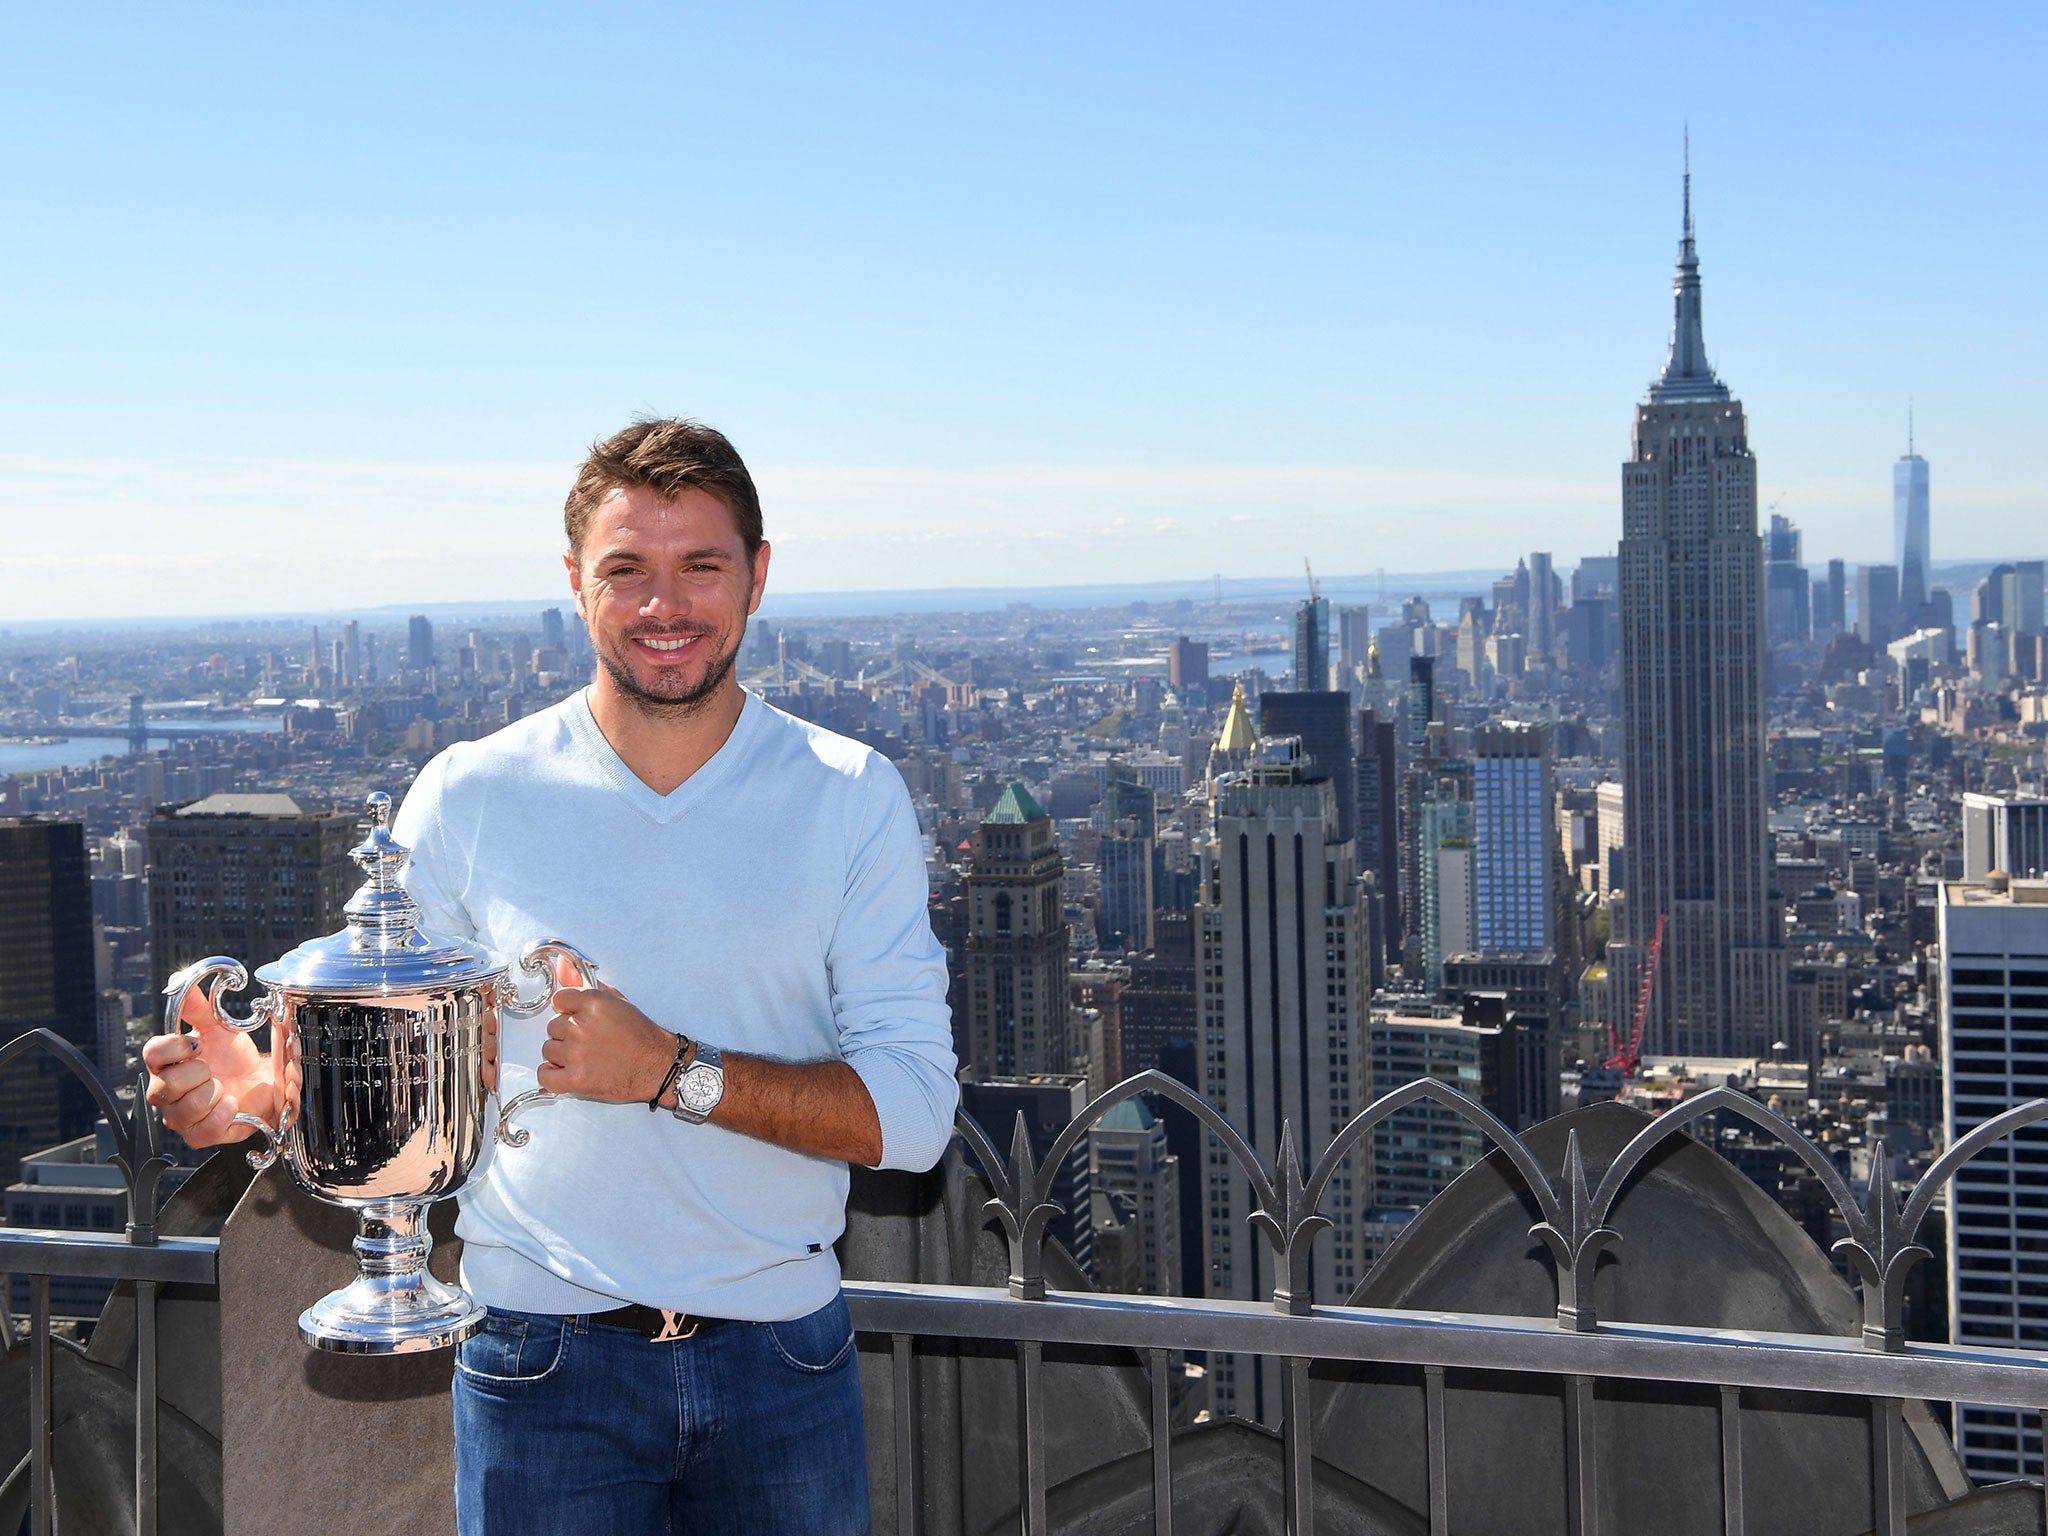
<point x="1131" y="1115"/>
<point x="1016" y="805"/>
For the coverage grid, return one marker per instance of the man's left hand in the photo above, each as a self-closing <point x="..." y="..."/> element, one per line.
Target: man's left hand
<point x="600" y="1046"/>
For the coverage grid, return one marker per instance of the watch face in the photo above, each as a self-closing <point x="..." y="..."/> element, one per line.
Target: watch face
<point x="701" y="1088"/>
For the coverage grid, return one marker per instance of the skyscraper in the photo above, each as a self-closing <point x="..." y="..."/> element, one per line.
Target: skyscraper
<point x="419" y="643"/>
<point x="1692" y="708"/>
<point x="2007" y="833"/>
<point x="1378" y="816"/>
<point x="1513" y="834"/>
<point x="1354" y="641"/>
<point x="249" y="876"/>
<point x="1877" y="605"/>
<point x="1017" y="1015"/>
<point x="1909" y="532"/>
<point x="1323" y="722"/>
<point x="1282" y="1008"/>
<point x="1312" y="646"/>
<point x="1994" y="1009"/>
<point x="1838" y="598"/>
<point x="1542" y="607"/>
<point x="1788" y="600"/>
<point x="1187" y="669"/>
<point x="46" y="982"/>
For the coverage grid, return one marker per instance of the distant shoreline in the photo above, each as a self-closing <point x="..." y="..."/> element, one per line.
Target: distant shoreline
<point x="1367" y="588"/>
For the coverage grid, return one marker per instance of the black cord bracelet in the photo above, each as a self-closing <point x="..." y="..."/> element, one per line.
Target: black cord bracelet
<point x="675" y="1070"/>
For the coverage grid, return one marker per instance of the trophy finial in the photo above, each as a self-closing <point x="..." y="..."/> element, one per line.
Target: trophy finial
<point x="381" y="915"/>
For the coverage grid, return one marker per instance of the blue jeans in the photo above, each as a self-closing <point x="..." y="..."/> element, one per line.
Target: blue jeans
<point x="566" y="1425"/>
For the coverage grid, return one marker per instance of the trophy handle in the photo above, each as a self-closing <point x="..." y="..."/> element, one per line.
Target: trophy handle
<point x="235" y="975"/>
<point x="262" y="1160"/>
<point x="534" y="961"/>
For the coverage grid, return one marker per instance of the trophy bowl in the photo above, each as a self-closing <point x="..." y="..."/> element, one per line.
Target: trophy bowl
<point x="377" y="1044"/>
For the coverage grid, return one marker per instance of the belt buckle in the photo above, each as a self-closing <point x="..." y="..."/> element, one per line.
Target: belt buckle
<point x="672" y="1327"/>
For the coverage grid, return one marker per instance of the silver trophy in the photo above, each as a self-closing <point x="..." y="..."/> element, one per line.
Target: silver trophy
<point x="377" y="1044"/>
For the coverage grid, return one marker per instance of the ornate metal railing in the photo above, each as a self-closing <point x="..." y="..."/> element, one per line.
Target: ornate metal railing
<point x="1575" y="1346"/>
<point x="137" y="1255"/>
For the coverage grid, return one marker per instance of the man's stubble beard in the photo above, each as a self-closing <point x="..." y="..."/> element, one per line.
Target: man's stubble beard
<point x="671" y="706"/>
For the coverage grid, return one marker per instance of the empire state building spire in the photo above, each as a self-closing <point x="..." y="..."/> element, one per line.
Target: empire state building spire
<point x="1687" y="375"/>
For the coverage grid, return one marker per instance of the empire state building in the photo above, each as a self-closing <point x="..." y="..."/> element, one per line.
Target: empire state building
<point x="1692" y="711"/>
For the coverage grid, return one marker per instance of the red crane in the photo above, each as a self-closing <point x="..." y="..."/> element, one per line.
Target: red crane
<point x="1624" y="1056"/>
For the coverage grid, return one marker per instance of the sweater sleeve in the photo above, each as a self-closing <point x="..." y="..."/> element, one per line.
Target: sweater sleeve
<point x="889" y="981"/>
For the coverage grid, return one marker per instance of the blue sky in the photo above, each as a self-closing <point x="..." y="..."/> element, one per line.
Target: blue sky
<point x="295" y="303"/>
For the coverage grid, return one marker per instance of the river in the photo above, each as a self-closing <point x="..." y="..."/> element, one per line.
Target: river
<point x="80" y="750"/>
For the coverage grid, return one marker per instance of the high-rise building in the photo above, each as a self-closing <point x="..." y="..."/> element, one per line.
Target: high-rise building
<point x="1421" y="703"/>
<point x="249" y="876"/>
<point x="1520" y="995"/>
<point x="2020" y="593"/>
<point x="1994" y="1007"/>
<point x="1018" y="1020"/>
<point x="1187" y="669"/>
<point x="1354" y="641"/>
<point x="551" y="637"/>
<point x="1514" y="838"/>
<point x="419" y="643"/>
<point x="1692" y="709"/>
<point x="1129" y="864"/>
<point x="46" y="982"/>
<point x="1909" y="534"/>
<point x="1048" y="1103"/>
<point x="1312" y="646"/>
<point x="1838" y="599"/>
<point x="1419" y="1152"/>
<point x="1788" y="600"/>
<point x="1134" y="1166"/>
<point x="1281" y="939"/>
<point x="1877" y="605"/>
<point x="1541" y="626"/>
<point x="1323" y="722"/>
<point x="1446" y="914"/>
<point x="2005" y="833"/>
<point x="1123" y="919"/>
<point x="1378" y="819"/>
<point x="351" y="654"/>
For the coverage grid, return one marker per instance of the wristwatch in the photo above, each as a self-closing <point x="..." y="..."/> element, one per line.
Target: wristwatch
<point x="701" y="1086"/>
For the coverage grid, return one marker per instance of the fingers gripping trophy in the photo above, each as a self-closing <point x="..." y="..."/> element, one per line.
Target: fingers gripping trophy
<point x="373" y="1093"/>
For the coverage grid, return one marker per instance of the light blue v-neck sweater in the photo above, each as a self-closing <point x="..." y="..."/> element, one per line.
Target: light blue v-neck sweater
<point x="774" y="904"/>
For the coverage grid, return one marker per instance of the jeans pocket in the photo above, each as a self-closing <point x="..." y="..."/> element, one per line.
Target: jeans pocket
<point x="513" y="1347"/>
<point x="821" y="1342"/>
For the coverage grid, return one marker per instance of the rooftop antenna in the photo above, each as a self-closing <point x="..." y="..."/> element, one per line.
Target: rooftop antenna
<point x="1688" y="180"/>
<point x="1909" y="426"/>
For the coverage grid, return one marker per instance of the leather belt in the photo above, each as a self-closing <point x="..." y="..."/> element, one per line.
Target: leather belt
<point x="657" y="1324"/>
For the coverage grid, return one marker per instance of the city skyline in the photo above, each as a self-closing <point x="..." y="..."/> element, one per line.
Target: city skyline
<point x="1164" y="293"/>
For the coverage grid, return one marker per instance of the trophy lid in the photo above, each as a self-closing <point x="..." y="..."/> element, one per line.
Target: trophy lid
<point x="383" y="948"/>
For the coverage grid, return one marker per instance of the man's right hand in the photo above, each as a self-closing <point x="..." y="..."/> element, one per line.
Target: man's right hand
<point x="200" y="1083"/>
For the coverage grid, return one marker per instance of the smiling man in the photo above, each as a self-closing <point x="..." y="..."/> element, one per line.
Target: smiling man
<point x="667" y="1346"/>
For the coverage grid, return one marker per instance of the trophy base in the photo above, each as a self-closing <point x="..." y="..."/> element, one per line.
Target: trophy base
<point x="366" y="1318"/>
<point x="393" y="1306"/>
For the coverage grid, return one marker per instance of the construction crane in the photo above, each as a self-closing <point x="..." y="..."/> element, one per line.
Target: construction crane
<point x="1624" y="1056"/>
<point x="1315" y="592"/>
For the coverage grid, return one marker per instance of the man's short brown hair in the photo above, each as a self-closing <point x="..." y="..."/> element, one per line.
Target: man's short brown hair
<point x="668" y="457"/>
